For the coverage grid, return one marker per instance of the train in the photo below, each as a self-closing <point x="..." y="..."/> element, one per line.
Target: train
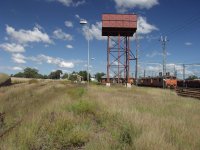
<point x="188" y="83"/>
<point x="169" y="81"/>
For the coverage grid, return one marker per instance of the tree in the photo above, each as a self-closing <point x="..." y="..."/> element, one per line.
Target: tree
<point x="99" y="75"/>
<point x="40" y="76"/>
<point x="65" y="76"/>
<point x="83" y="74"/>
<point x="19" y="75"/>
<point x="30" y="73"/>
<point x="45" y="77"/>
<point x="56" y="74"/>
<point x="73" y="77"/>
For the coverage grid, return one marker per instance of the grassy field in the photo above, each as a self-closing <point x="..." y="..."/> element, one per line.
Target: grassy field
<point x="60" y="115"/>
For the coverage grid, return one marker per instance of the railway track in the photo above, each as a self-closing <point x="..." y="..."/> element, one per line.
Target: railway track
<point x="188" y="92"/>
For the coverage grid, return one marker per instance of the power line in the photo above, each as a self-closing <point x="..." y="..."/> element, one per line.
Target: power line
<point x="187" y="23"/>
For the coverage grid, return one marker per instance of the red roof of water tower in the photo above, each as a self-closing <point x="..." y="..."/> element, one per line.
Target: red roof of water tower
<point x="119" y="24"/>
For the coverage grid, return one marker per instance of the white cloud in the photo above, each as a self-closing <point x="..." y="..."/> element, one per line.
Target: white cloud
<point x="123" y="5"/>
<point x="68" y="24"/>
<point x="156" y="53"/>
<point x="56" y="61"/>
<point x="25" y="36"/>
<point x="59" y="34"/>
<point x="12" y="47"/>
<point x="143" y="27"/>
<point x="79" y="3"/>
<point x="188" y="43"/>
<point x="155" y="68"/>
<point x="70" y="2"/>
<point x="65" y="2"/>
<point x="77" y="16"/>
<point x="17" y="68"/>
<point x="69" y="46"/>
<point x="93" y="32"/>
<point x="19" y="58"/>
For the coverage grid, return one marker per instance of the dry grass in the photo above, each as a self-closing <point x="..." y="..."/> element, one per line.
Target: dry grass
<point x="59" y="115"/>
<point x="3" y="78"/>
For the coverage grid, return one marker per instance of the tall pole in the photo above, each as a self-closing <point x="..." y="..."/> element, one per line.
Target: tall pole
<point x="163" y="42"/>
<point x="183" y="71"/>
<point x="88" y="74"/>
<point x="127" y="74"/>
<point x="129" y="60"/>
<point x="84" y="22"/>
<point x="136" y="65"/>
<point x="118" y="58"/>
<point x="183" y="75"/>
<point x="108" y="60"/>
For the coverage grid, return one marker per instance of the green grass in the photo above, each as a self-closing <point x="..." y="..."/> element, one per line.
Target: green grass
<point x="60" y="115"/>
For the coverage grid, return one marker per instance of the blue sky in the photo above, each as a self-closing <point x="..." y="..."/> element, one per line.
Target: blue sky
<point x="46" y="34"/>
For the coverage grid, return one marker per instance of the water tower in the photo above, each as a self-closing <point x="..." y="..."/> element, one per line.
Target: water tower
<point x="119" y="28"/>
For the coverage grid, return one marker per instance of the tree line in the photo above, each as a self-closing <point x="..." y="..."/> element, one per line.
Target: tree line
<point x="58" y="74"/>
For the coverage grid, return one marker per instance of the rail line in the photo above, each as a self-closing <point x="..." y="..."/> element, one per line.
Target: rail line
<point x="188" y="92"/>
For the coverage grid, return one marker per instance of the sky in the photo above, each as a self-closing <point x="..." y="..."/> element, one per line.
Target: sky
<point x="47" y="35"/>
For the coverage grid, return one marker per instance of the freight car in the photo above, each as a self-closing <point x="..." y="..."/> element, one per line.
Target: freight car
<point x="169" y="81"/>
<point x="188" y="83"/>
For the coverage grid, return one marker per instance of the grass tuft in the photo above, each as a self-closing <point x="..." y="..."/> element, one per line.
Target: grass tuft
<point x="76" y="93"/>
<point x="83" y="107"/>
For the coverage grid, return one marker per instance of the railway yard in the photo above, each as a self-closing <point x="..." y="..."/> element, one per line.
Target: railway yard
<point x="61" y="115"/>
<point x="99" y="75"/>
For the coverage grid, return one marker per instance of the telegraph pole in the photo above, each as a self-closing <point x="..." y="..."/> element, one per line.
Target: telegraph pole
<point x="136" y="65"/>
<point x="164" y="40"/>
<point x="175" y="72"/>
<point x="183" y="75"/>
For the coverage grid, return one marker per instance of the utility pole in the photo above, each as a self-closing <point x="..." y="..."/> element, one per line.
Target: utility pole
<point x="136" y="65"/>
<point x="175" y="72"/>
<point x="164" y="40"/>
<point x="183" y="75"/>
